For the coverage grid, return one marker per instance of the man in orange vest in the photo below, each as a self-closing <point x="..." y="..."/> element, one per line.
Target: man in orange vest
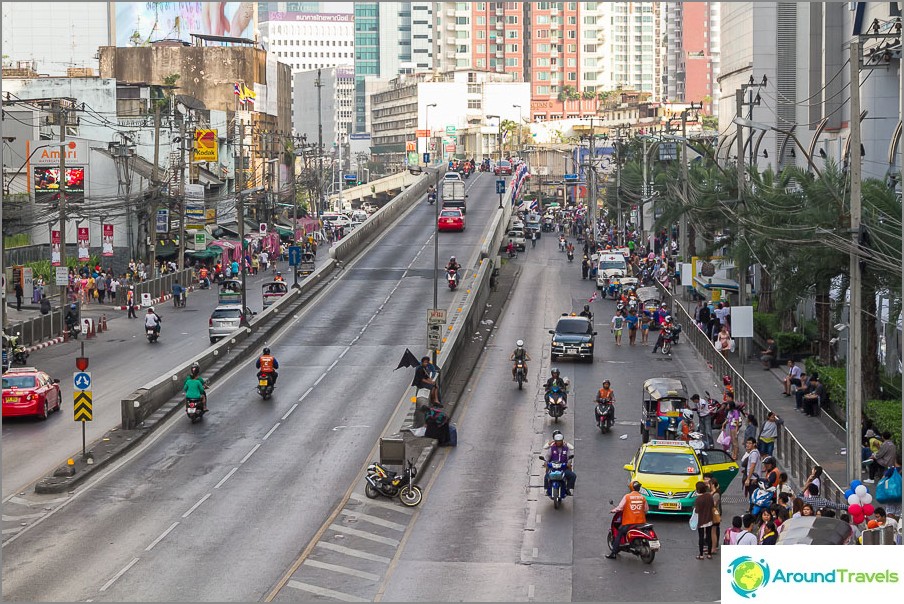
<point x="267" y="365"/>
<point x="202" y="275"/>
<point x="634" y="508"/>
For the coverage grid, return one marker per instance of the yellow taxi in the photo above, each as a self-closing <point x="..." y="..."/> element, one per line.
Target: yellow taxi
<point x="668" y="471"/>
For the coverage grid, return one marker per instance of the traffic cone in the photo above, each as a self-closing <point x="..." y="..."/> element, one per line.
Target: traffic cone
<point x="103" y="322"/>
<point x="90" y="330"/>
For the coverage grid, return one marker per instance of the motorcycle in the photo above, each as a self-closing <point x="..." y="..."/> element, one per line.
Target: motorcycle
<point x="555" y="481"/>
<point x="555" y="403"/>
<point x="520" y="371"/>
<point x="605" y="414"/>
<point x="561" y="244"/>
<point x="194" y="409"/>
<point x="380" y="481"/>
<point x="16" y="350"/>
<point x="431" y="198"/>
<point x="452" y="278"/>
<point x="265" y="385"/>
<point x="640" y="540"/>
<point x="669" y="337"/>
<point x="570" y="256"/>
<point x="152" y="334"/>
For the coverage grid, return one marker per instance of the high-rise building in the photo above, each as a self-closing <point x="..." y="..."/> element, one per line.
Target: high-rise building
<point x="309" y="41"/>
<point x="691" y="54"/>
<point x="629" y="31"/>
<point x="390" y="38"/>
<point x="337" y="95"/>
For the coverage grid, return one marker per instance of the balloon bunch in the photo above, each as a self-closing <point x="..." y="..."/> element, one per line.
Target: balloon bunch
<point x="860" y="502"/>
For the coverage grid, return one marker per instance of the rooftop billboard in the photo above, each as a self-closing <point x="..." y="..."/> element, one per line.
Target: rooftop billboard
<point x="138" y="23"/>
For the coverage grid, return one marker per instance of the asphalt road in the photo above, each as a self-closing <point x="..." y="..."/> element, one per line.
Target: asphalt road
<point x="121" y="360"/>
<point x="486" y="532"/>
<point x="219" y="510"/>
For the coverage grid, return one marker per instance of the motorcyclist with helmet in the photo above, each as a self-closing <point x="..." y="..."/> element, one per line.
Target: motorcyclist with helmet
<point x="519" y="354"/>
<point x="152" y="320"/>
<point x="606" y="392"/>
<point x="267" y="366"/>
<point x="431" y="194"/>
<point x="587" y="313"/>
<point x="278" y="276"/>
<point x="559" y="450"/>
<point x="453" y="265"/>
<point x="687" y="424"/>
<point x="634" y="508"/>
<point x="664" y="330"/>
<point x="556" y="380"/>
<point x="194" y="386"/>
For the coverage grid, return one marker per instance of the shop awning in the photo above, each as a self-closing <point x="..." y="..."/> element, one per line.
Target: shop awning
<point x="166" y="250"/>
<point x="208" y="254"/>
<point x="284" y="231"/>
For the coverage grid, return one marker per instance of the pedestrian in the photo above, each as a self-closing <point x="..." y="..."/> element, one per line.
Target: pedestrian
<point x="706" y="419"/>
<point x="792" y="378"/>
<point x="632" y="322"/>
<point x="768" y="356"/>
<point x="747" y="535"/>
<point x="724" y="340"/>
<point x="130" y="302"/>
<point x="45" y="305"/>
<point x="769" y="433"/>
<point x="114" y="288"/>
<point x="717" y="512"/>
<point x="101" y="285"/>
<point x="885" y="456"/>
<point x="753" y="467"/>
<point x="618" y="323"/>
<point x="533" y="239"/>
<point x="752" y="428"/>
<point x="19" y="294"/>
<point x="770" y="534"/>
<point x="645" y="319"/>
<point x="703" y="507"/>
<point x="815" y="477"/>
<point x="733" y="423"/>
<point x="732" y="534"/>
<point x="585" y="267"/>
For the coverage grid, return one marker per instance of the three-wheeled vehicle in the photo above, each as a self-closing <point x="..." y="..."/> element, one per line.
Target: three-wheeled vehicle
<point x="649" y="298"/>
<point x="663" y="400"/>
<point x="272" y="291"/>
<point x="628" y="283"/>
<point x="230" y="292"/>
<point x="306" y="266"/>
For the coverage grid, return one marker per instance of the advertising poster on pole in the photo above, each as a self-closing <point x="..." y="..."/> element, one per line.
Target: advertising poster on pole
<point x="107" y="246"/>
<point x="55" y="248"/>
<point x="194" y="206"/>
<point x="83" y="240"/>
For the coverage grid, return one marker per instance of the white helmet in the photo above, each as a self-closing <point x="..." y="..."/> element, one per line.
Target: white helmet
<point x="688" y="414"/>
<point x="520" y="343"/>
<point x="567" y="382"/>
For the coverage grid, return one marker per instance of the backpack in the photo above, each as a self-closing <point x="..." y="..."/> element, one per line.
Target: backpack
<point x="436" y="416"/>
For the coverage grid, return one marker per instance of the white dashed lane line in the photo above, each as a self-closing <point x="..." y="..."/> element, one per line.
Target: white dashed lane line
<point x="124" y="570"/>
<point x="251" y="452"/>
<point x="161" y="537"/>
<point x="272" y="430"/>
<point x="194" y="507"/>
<point x="227" y="477"/>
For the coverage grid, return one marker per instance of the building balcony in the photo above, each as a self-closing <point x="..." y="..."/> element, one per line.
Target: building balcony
<point x="499" y="26"/>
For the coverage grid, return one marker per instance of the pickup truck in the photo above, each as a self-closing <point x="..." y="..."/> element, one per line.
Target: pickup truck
<point x="453" y="195"/>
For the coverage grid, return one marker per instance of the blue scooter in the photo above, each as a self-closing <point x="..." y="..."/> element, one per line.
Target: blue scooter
<point x="555" y="481"/>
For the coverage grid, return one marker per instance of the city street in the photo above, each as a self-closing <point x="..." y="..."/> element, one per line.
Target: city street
<point x="486" y="532"/>
<point x="248" y="487"/>
<point x="121" y="360"/>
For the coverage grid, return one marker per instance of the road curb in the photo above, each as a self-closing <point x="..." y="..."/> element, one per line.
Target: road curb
<point x="41" y="345"/>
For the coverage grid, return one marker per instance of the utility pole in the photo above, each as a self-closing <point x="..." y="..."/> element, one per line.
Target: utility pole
<point x="901" y="181"/>
<point x="620" y="236"/>
<point x="340" y="172"/>
<point x="854" y="405"/>
<point x="643" y="195"/>
<point x="181" y="259"/>
<point x="155" y="182"/>
<point x="62" y="120"/>
<point x="591" y="181"/>
<point x="240" y="216"/>
<point x="742" y="270"/>
<point x="320" y="200"/>
<point x="683" y="238"/>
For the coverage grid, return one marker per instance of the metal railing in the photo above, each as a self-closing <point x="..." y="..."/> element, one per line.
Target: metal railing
<point x="794" y="457"/>
<point x="38" y="329"/>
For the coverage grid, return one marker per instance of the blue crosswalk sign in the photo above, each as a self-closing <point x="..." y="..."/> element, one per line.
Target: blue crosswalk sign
<point x="500" y="186"/>
<point x="81" y="380"/>
<point x="294" y="255"/>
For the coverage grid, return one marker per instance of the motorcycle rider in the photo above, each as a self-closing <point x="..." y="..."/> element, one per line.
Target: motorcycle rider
<point x="72" y="316"/>
<point x="666" y="328"/>
<point x="431" y="194"/>
<point x="634" y="508"/>
<point x="556" y="380"/>
<point x="204" y="277"/>
<point x="278" y="276"/>
<point x="586" y="312"/>
<point x="605" y="393"/>
<point x="194" y="386"/>
<point x="453" y="265"/>
<point x="559" y="450"/>
<point x="152" y="320"/>
<point x="519" y="354"/>
<point x="687" y="424"/>
<point x="267" y="366"/>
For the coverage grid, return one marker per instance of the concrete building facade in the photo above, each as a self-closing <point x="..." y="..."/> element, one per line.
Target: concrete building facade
<point x="337" y="94"/>
<point x="691" y="54"/>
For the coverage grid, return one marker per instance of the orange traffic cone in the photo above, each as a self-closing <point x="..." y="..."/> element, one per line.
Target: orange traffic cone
<point x="103" y="322"/>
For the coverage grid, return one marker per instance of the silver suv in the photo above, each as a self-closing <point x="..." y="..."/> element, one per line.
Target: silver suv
<point x="225" y="319"/>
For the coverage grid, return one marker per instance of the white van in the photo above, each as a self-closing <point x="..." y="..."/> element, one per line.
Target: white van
<point x="359" y="216"/>
<point x="335" y="219"/>
<point x="610" y="266"/>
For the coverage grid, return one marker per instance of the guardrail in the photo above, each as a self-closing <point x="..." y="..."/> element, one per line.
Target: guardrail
<point x="795" y="458"/>
<point x="38" y="329"/>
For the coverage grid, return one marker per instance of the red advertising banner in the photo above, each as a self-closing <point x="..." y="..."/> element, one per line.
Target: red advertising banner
<point x="83" y="240"/>
<point x="55" y="248"/>
<point x="107" y="243"/>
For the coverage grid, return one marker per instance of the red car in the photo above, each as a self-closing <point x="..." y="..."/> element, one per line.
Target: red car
<point x="503" y="168"/>
<point x="27" y="391"/>
<point x="451" y="219"/>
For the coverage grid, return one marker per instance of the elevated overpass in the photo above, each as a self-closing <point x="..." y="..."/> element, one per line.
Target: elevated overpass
<point x="377" y="191"/>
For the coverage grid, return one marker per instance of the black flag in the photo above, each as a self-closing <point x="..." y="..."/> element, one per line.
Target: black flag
<point x="408" y="360"/>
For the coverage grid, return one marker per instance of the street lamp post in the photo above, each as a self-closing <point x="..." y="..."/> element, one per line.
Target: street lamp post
<point x="427" y="127"/>
<point x="520" y="132"/>
<point x="435" y="256"/>
<point x="498" y="130"/>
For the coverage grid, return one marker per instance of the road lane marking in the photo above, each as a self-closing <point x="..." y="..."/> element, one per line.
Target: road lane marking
<point x="539" y="518"/>
<point x="333" y="364"/>
<point x="161" y="537"/>
<point x="250" y="453"/>
<point x="320" y="379"/>
<point x="381" y="504"/>
<point x="22" y="501"/>
<point x="306" y="393"/>
<point x="535" y="552"/>
<point x="344" y="352"/>
<point x="194" y="507"/>
<point x="355" y="553"/>
<point x="22" y="517"/>
<point x="289" y="412"/>
<point x="364" y="535"/>
<point x="323" y="591"/>
<point x="124" y="570"/>
<point x="374" y="520"/>
<point x="272" y="430"/>
<point x="530" y="592"/>
<point x="227" y="477"/>
<point x="344" y="570"/>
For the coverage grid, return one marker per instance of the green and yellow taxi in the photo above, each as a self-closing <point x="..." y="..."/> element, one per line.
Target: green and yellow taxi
<point x="668" y="471"/>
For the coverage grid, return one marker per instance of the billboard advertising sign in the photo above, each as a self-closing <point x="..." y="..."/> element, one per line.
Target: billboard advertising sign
<point x="55" y="248"/>
<point x="107" y="240"/>
<point x="205" y="145"/>
<point x="138" y="23"/>
<point x="47" y="184"/>
<point x="194" y="206"/>
<point x="48" y="154"/>
<point x="83" y="240"/>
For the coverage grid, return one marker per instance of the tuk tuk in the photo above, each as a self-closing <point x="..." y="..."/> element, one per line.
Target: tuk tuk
<point x="649" y="298"/>
<point x="273" y="291"/>
<point x="306" y="266"/>
<point x="663" y="401"/>
<point x="629" y="283"/>
<point x="230" y="292"/>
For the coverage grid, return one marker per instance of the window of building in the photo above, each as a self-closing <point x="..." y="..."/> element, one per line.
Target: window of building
<point x="462" y="20"/>
<point x="511" y="48"/>
<point x="589" y="48"/>
<point x="511" y="62"/>
<point x="481" y="63"/>
<point x="542" y="90"/>
<point x="474" y="104"/>
<point x="481" y="20"/>
<point x="512" y="34"/>
<point x="481" y="49"/>
<point x="572" y="76"/>
<point x="542" y="33"/>
<point x="542" y="62"/>
<point x="481" y="6"/>
<point x="481" y="34"/>
<point x="572" y="34"/>
<point x="511" y="20"/>
<point x="542" y="20"/>
<point x="590" y="76"/>
<point x="543" y="76"/>
<point x="542" y="47"/>
<point x="571" y="62"/>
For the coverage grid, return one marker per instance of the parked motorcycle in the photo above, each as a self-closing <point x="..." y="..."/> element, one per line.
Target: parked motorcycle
<point x="265" y="385"/>
<point x="555" y="481"/>
<point x="17" y="351"/>
<point x="605" y="414"/>
<point x="520" y="373"/>
<point x="380" y="481"/>
<point x="452" y="278"/>
<point x="555" y="403"/>
<point x="640" y="540"/>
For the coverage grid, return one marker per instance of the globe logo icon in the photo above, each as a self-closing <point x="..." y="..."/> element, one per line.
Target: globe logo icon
<point x="748" y="575"/>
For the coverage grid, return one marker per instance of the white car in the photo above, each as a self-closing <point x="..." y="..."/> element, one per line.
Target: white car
<point x="452" y="176"/>
<point x="334" y="219"/>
